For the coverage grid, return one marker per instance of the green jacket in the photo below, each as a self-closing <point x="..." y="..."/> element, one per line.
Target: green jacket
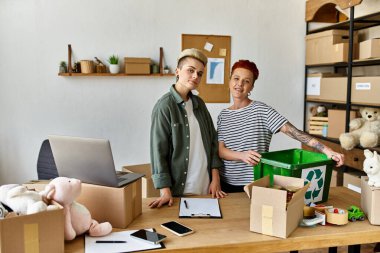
<point x="170" y="140"/>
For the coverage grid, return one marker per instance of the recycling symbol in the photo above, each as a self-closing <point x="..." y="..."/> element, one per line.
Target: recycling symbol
<point x="316" y="179"/>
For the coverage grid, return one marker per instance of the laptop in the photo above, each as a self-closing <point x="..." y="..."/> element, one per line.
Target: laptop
<point x="89" y="160"/>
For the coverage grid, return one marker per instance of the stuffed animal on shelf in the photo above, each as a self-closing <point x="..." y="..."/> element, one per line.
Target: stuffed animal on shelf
<point x="364" y="131"/>
<point x="318" y="111"/>
<point x="78" y="219"/>
<point x="371" y="166"/>
<point x="21" y="200"/>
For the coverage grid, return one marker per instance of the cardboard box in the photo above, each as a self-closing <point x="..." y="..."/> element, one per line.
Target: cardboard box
<point x="334" y="178"/>
<point x="326" y="89"/>
<point x="337" y="122"/>
<point x="369" y="49"/>
<point x="137" y="65"/>
<point x="366" y="90"/>
<point x="329" y="47"/>
<point x="119" y="206"/>
<point x="351" y="180"/>
<point x="274" y="216"/>
<point x="148" y="189"/>
<point x="370" y="201"/>
<point x="41" y="232"/>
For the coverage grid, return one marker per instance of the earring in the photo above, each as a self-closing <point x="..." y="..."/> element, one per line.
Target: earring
<point x="249" y="93"/>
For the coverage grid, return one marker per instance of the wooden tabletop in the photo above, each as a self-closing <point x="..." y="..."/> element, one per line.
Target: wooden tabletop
<point x="231" y="234"/>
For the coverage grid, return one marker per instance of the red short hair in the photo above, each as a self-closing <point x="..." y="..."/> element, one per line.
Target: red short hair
<point x="246" y="64"/>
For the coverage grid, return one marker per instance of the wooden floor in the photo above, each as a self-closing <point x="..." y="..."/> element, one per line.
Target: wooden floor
<point x="366" y="248"/>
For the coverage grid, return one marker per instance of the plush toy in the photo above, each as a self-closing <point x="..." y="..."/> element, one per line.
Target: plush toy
<point x="364" y="131"/>
<point x="3" y="211"/>
<point x="371" y="166"/>
<point x="78" y="219"/>
<point x="21" y="200"/>
<point x="318" y="111"/>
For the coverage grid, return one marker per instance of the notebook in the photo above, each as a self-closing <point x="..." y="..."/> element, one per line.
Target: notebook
<point x="89" y="160"/>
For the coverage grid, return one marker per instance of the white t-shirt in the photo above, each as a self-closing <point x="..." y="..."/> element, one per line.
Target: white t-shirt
<point x="198" y="180"/>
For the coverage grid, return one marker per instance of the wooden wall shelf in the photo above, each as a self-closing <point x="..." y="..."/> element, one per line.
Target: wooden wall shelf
<point x="109" y="74"/>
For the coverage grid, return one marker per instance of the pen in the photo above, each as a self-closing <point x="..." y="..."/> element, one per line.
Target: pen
<point x="100" y="241"/>
<point x="187" y="207"/>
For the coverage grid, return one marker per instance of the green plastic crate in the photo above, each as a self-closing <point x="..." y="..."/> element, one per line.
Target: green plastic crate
<point x="314" y="167"/>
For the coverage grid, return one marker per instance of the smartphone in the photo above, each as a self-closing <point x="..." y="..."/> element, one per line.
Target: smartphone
<point x="177" y="228"/>
<point x="148" y="236"/>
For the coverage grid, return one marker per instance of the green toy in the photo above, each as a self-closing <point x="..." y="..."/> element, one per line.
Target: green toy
<point x="354" y="214"/>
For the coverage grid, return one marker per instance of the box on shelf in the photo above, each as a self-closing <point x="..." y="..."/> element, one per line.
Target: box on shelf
<point x="40" y="232"/>
<point x="275" y="216"/>
<point x="314" y="168"/>
<point x="134" y="65"/>
<point x="329" y="47"/>
<point x="148" y="189"/>
<point x="369" y="49"/>
<point x="316" y="125"/>
<point x="351" y="180"/>
<point x="337" y="122"/>
<point x="119" y="206"/>
<point x="370" y="201"/>
<point x="326" y="88"/>
<point x="366" y="90"/>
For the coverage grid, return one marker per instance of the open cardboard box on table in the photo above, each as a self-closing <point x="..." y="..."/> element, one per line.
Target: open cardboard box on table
<point x="41" y="232"/>
<point x="370" y="201"/>
<point x="274" y="216"/>
<point x="148" y="189"/>
<point x="119" y="206"/>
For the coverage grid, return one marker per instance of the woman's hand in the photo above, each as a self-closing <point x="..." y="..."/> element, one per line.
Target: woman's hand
<point x="250" y="157"/>
<point x="214" y="189"/>
<point x="337" y="157"/>
<point x="166" y="197"/>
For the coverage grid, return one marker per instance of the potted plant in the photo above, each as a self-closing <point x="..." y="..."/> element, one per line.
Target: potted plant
<point x="114" y="64"/>
<point x="166" y="69"/>
<point x="62" y="67"/>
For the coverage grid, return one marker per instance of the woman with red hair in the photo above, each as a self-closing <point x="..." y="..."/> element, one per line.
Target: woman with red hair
<point x="245" y="130"/>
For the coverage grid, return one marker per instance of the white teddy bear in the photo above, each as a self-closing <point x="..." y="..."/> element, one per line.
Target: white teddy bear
<point x="371" y="166"/>
<point x="364" y="131"/>
<point x="21" y="200"/>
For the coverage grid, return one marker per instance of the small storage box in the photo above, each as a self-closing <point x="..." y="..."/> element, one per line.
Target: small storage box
<point x="329" y="47"/>
<point x="366" y="90"/>
<point x="337" y="122"/>
<point x="137" y="65"/>
<point x="326" y="89"/>
<point x="314" y="168"/>
<point x="316" y="125"/>
<point x="369" y="49"/>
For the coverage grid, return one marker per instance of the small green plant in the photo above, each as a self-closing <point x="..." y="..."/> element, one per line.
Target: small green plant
<point x="113" y="59"/>
<point x="63" y="64"/>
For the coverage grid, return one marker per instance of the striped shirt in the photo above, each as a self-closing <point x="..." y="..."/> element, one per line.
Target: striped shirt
<point x="248" y="128"/>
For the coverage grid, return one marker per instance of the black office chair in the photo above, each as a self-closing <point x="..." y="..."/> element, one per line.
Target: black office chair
<point x="46" y="168"/>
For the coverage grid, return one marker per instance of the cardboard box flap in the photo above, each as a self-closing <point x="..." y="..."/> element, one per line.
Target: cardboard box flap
<point x="137" y="60"/>
<point x="262" y="182"/>
<point x="277" y="197"/>
<point x="288" y="181"/>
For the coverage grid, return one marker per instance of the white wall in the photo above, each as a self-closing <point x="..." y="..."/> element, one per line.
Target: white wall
<point x="35" y="101"/>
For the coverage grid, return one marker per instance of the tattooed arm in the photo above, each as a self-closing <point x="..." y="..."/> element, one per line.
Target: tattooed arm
<point x="306" y="139"/>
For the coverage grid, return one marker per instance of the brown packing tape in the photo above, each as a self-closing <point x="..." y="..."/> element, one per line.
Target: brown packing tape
<point x="267" y="220"/>
<point x="31" y="238"/>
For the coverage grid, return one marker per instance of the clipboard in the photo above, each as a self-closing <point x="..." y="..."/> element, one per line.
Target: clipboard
<point x="199" y="208"/>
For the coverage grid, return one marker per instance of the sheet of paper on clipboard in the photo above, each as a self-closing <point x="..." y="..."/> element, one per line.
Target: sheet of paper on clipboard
<point x="199" y="208"/>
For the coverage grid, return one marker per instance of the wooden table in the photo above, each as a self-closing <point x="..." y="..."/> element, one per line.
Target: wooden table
<point x="231" y="234"/>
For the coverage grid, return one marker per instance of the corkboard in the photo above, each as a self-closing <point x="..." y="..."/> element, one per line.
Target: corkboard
<point x="221" y="49"/>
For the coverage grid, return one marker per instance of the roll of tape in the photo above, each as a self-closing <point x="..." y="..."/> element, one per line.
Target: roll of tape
<point x="337" y="216"/>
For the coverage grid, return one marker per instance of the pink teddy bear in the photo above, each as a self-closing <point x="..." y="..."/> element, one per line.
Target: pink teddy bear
<point x="78" y="219"/>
